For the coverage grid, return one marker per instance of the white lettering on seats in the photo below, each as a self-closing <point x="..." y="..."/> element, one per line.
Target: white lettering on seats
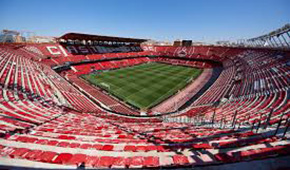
<point x="72" y="49"/>
<point x="93" y="48"/>
<point x="63" y="50"/>
<point x="53" y="50"/>
<point x="83" y="50"/>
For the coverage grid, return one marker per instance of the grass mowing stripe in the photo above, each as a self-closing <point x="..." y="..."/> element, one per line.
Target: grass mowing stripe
<point x="144" y="85"/>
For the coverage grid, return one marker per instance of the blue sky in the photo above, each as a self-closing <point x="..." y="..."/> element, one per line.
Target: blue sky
<point x="199" y="20"/>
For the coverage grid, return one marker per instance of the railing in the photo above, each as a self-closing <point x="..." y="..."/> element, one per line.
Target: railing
<point x="258" y="124"/>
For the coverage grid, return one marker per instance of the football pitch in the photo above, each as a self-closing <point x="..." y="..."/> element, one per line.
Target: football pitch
<point x="146" y="85"/>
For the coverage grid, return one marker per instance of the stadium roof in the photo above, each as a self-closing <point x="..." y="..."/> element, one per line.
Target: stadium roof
<point x="79" y="36"/>
<point x="282" y="30"/>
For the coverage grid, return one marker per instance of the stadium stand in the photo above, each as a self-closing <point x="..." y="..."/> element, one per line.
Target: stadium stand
<point x="236" y="111"/>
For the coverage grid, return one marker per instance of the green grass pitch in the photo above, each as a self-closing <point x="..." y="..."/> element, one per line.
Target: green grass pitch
<point x="146" y="85"/>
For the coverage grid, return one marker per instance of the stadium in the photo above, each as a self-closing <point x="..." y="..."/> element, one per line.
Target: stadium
<point x="90" y="101"/>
